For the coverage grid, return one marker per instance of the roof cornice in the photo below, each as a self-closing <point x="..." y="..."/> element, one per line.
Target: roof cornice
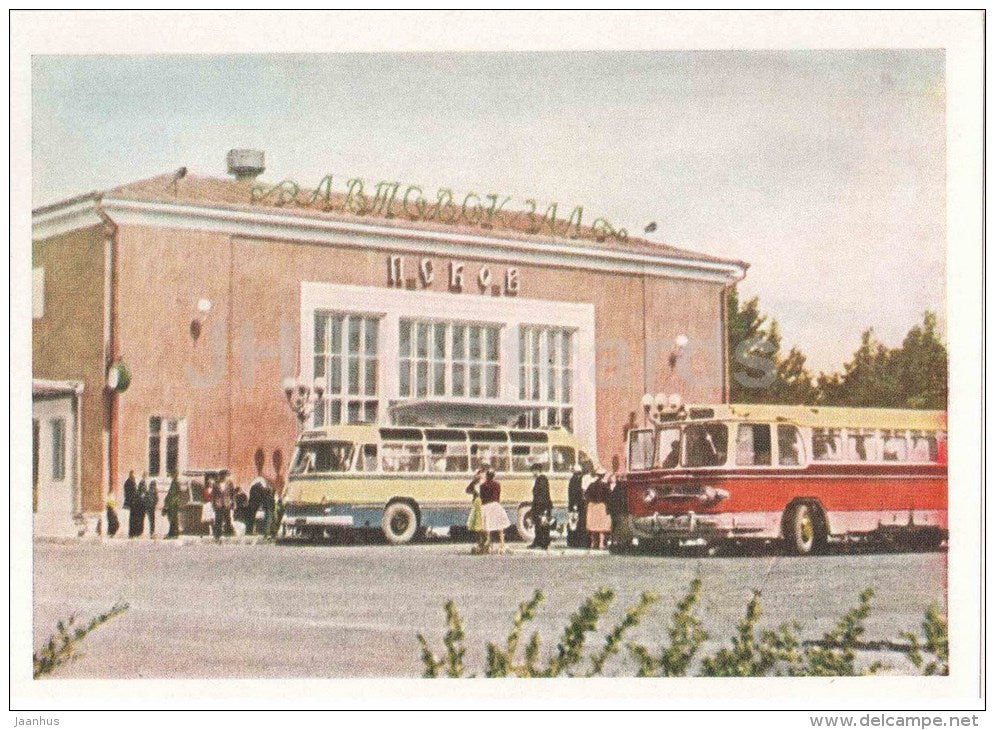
<point x="69" y="215"/>
<point x="365" y="235"/>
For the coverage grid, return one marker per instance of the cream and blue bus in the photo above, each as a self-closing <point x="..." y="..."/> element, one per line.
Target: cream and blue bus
<point x="407" y="480"/>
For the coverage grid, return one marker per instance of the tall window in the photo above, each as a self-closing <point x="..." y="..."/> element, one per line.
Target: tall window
<point x="165" y="441"/>
<point x="448" y="359"/>
<point x="58" y="449"/>
<point x="345" y="355"/>
<point x="545" y="375"/>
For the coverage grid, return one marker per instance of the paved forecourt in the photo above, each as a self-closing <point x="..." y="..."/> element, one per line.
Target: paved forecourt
<point x="200" y="609"/>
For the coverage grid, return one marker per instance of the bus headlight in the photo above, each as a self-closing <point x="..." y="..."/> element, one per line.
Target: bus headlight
<point x="649" y="495"/>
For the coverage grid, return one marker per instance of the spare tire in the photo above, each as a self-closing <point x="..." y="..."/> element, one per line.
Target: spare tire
<point x="524" y="524"/>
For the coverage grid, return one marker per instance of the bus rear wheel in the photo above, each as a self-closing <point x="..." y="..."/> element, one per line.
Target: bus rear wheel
<point x="804" y="529"/>
<point x="399" y="523"/>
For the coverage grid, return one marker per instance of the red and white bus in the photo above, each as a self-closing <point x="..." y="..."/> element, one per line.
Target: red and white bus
<point x="800" y="474"/>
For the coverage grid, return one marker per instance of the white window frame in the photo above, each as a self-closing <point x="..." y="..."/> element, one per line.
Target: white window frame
<point x="337" y="405"/>
<point x="546" y="357"/>
<point x="411" y="359"/>
<point x="178" y="429"/>
<point x="508" y="313"/>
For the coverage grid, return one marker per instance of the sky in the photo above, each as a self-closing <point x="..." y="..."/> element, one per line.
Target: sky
<point x="822" y="169"/>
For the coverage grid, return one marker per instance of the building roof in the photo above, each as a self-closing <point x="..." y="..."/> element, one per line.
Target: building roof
<point x="50" y="388"/>
<point x="237" y="195"/>
<point x="226" y="198"/>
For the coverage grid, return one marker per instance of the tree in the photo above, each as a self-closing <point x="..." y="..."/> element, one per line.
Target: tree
<point x="922" y="366"/>
<point x="911" y="376"/>
<point x="758" y="371"/>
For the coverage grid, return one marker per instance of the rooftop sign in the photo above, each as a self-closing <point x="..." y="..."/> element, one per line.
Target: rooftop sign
<point x="387" y="200"/>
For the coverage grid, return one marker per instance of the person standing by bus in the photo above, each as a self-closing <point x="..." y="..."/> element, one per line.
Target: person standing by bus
<point x="598" y="522"/>
<point x="495" y="518"/>
<point x="475" y="522"/>
<point x="257" y="498"/>
<point x="150" y="497"/>
<point x="576" y="509"/>
<point x="171" y="508"/>
<point x="219" y="503"/>
<point x="132" y="503"/>
<point x="542" y="508"/>
<point x="617" y="504"/>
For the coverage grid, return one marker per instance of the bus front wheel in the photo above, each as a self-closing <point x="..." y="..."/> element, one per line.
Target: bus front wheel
<point x="399" y="523"/>
<point x="804" y="529"/>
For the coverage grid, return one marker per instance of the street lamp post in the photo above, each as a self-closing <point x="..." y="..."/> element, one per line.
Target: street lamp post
<point x="302" y="397"/>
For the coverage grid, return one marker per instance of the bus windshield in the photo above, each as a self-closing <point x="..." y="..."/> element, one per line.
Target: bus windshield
<point x="705" y="444"/>
<point x="322" y="456"/>
<point x="668" y="450"/>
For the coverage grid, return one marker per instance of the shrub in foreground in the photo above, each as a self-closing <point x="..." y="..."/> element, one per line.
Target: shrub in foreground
<point x="63" y="646"/>
<point x="750" y="652"/>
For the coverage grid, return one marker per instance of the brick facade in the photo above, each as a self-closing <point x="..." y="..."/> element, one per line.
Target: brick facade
<point x="225" y="382"/>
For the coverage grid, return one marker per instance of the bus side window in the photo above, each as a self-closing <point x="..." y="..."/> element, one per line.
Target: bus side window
<point x="753" y="445"/>
<point x="585" y="461"/>
<point x="827" y="444"/>
<point x="520" y="457"/>
<point x="923" y="447"/>
<point x="402" y="457"/>
<point x="493" y="456"/>
<point x="456" y="460"/>
<point x="789" y="446"/>
<point x="367" y="460"/>
<point x="436" y="457"/>
<point x="563" y="459"/>
<point x="861" y="445"/>
<point x="895" y="446"/>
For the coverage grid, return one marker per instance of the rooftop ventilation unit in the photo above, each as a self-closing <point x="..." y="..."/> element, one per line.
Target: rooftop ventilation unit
<point x="246" y="164"/>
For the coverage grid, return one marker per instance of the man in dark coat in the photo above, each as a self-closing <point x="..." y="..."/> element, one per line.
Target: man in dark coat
<point x="151" y="499"/>
<point x="132" y="503"/>
<point x="577" y="510"/>
<point x="171" y="507"/>
<point x="542" y="508"/>
<point x="256" y="498"/>
<point x="269" y="508"/>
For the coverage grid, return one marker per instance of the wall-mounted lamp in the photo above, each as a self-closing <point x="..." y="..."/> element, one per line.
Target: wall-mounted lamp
<point x="680" y="342"/>
<point x="197" y="323"/>
<point x="302" y="397"/>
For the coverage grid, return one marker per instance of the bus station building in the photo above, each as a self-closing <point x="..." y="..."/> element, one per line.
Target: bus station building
<point x="169" y="312"/>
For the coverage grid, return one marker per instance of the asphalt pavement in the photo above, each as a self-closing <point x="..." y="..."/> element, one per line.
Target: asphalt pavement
<point x="200" y="609"/>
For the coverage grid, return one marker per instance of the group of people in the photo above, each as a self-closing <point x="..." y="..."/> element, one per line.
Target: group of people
<point x="594" y="504"/>
<point x="141" y="499"/>
<point x="592" y="500"/>
<point x="223" y="501"/>
<point x="224" y="504"/>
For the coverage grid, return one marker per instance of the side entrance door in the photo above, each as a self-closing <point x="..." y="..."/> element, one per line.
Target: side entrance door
<point x="54" y="465"/>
